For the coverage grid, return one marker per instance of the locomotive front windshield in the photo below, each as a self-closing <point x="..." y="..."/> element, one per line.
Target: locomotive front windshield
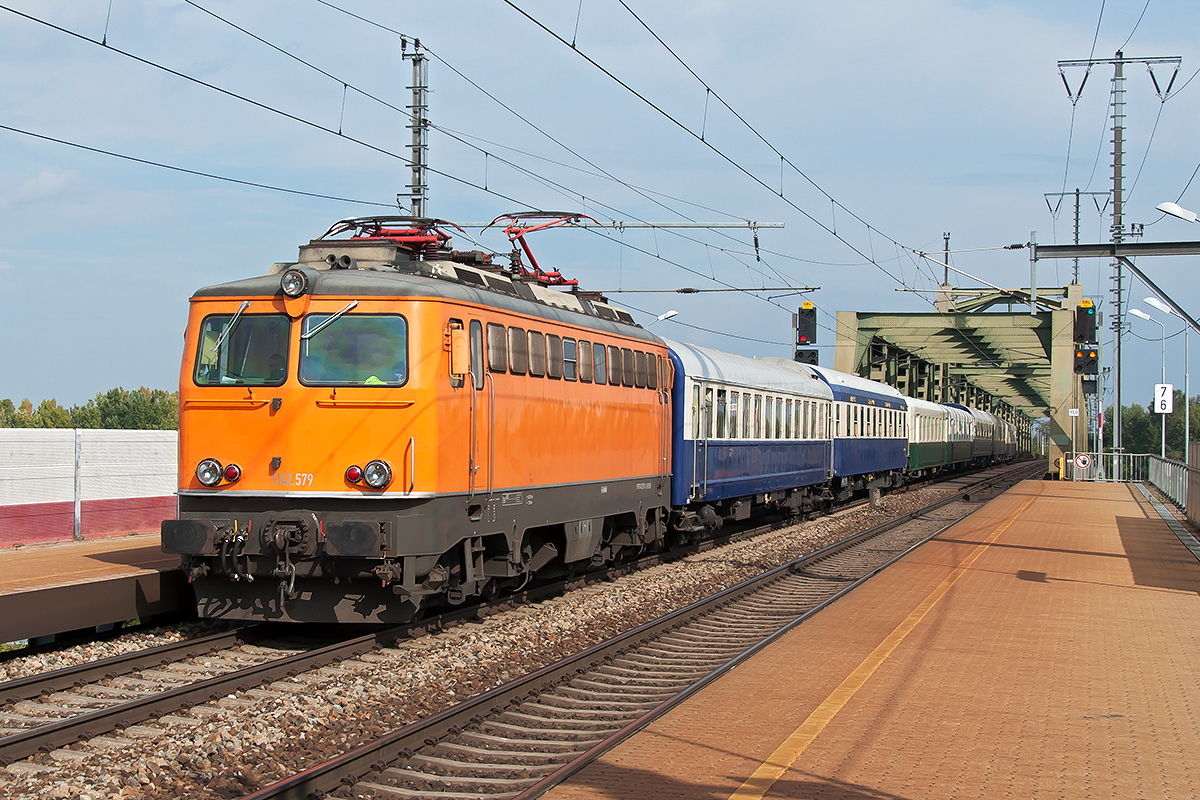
<point x="243" y="349"/>
<point x="354" y="350"/>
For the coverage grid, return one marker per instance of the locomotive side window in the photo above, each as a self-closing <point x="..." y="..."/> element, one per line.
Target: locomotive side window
<point x="599" y="362"/>
<point x="570" y="359"/>
<point x="243" y="350"/>
<point x="354" y="350"/>
<point x="497" y="352"/>
<point x="518" y="351"/>
<point x="651" y="371"/>
<point x="585" y="361"/>
<point x="537" y="354"/>
<point x="627" y="379"/>
<point x="554" y="356"/>
<point x="639" y="369"/>
<point x="477" y="353"/>
<point x="615" y="366"/>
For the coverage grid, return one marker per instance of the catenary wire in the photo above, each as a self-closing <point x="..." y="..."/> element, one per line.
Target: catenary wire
<point x="198" y="173"/>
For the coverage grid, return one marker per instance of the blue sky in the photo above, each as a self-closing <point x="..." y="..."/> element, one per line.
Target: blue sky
<point x="918" y="117"/>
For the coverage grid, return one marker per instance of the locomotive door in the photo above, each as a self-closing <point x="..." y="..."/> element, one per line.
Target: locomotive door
<point x="483" y="411"/>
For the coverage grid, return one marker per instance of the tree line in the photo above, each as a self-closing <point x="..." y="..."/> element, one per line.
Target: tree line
<point x="1141" y="428"/>
<point x="133" y="409"/>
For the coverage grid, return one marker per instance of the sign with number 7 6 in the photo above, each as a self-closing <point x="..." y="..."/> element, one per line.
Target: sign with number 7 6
<point x="1164" y="398"/>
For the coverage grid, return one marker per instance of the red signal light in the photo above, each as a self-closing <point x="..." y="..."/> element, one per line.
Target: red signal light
<point x="354" y="474"/>
<point x="232" y="473"/>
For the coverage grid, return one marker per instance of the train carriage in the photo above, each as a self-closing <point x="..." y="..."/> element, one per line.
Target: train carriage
<point x="928" y="436"/>
<point x="745" y="429"/>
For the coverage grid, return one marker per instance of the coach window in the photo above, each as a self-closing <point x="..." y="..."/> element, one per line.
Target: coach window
<point x="554" y="356"/>
<point x="706" y="413"/>
<point x="497" y="355"/>
<point x="733" y="415"/>
<point x="721" y="410"/>
<point x="599" y="363"/>
<point x="802" y="420"/>
<point x="570" y="359"/>
<point x="615" y="365"/>
<point x="537" y="354"/>
<point x="651" y="371"/>
<point x="629" y="368"/>
<point x="756" y="433"/>
<point x="518" y="352"/>
<point x="695" y="410"/>
<point x="779" y="418"/>
<point x="787" y="421"/>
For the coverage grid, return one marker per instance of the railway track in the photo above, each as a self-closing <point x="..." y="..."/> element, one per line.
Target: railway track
<point x="48" y="711"/>
<point x="520" y="739"/>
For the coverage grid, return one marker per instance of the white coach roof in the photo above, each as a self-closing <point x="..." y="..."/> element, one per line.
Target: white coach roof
<point x="755" y="373"/>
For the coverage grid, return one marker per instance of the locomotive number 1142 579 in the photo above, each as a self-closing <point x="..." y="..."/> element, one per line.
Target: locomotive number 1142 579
<point x="292" y="479"/>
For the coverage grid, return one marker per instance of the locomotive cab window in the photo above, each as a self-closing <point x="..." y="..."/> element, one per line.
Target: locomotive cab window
<point x="354" y="350"/>
<point x="243" y="350"/>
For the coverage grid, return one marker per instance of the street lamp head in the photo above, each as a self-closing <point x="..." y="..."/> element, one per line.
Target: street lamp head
<point x="1175" y="210"/>
<point x="1159" y="304"/>
<point x="661" y="317"/>
<point x="1137" y="312"/>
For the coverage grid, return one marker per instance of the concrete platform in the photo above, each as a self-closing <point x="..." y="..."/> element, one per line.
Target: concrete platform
<point x="1047" y="646"/>
<point x="51" y="589"/>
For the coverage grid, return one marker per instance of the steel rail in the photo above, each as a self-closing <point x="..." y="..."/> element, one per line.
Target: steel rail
<point x="348" y="767"/>
<point x="70" y="677"/>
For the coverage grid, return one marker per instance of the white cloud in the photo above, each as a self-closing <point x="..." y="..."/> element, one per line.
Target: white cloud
<point x="50" y="182"/>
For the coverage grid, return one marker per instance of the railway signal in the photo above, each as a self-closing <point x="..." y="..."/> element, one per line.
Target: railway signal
<point x="806" y="356"/>
<point x="1085" y="323"/>
<point x="806" y="326"/>
<point x="1087" y="361"/>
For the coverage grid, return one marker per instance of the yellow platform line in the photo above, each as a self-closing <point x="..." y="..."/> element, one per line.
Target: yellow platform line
<point x="780" y="761"/>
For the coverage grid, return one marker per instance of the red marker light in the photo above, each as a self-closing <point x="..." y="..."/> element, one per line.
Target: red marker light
<point x="354" y="474"/>
<point x="232" y="473"/>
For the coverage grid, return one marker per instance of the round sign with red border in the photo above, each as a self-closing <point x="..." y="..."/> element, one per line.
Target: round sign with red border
<point x="1083" y="461"/>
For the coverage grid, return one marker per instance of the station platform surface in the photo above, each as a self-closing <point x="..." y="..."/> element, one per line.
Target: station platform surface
<point x="52" y="588"/>
<point x="1048" y="646"/>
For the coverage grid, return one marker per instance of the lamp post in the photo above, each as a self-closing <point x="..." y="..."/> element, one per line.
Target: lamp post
<point x="661" y="317"/>
<point x="1137" y="312"/>
<point x="1187" y="374"/>
<point x="1175" y="210"/>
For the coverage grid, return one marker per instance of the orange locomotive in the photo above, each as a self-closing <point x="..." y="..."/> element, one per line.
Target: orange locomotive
<point x="388" y="424"/>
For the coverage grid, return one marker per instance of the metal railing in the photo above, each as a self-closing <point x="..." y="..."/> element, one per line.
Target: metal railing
<point x="1173" y="478"/>
<point x="1107" y="467"/>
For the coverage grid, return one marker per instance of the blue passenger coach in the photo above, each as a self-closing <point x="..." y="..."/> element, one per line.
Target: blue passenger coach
<point x="870" y="425"/>
<point x="745" y="430"/>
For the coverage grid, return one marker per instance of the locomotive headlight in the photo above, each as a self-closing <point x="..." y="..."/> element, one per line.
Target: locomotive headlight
<point x="294" y="283"/>
<point x="377" y="474"/>
<point x="209" y="472"/>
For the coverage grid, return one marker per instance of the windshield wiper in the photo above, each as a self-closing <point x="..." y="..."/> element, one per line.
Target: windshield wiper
<point x="216" y="348"/>
<point x="328" y="321"/>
